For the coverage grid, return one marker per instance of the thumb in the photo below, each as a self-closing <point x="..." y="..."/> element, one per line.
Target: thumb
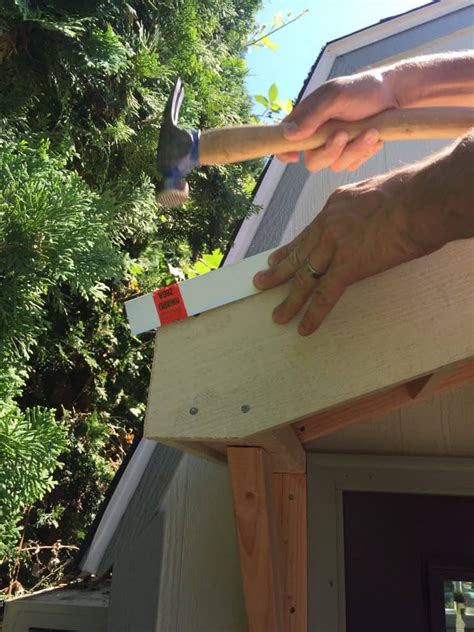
<point x="307" y="116"/>
<point x="301" y="126"/>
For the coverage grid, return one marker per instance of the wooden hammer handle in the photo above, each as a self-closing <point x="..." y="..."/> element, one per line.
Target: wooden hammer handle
<point x="233" y="144"/>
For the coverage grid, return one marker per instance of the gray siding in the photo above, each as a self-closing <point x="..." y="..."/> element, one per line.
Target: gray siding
<point x="144" y="505"/>
<point x="181" y="571"/>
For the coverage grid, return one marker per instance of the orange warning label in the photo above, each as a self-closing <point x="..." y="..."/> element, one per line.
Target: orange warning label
<point x="169" y="304"/>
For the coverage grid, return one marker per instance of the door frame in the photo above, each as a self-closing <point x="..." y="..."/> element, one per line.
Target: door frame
<point x="328" y="477"/>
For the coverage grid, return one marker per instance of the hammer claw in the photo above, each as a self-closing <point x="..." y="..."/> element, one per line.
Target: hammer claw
<point x="173" y="105"/>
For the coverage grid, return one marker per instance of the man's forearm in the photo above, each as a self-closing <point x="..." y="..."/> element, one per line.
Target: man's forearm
<point x="440" y="196"/>
<point x="432" y="80"/>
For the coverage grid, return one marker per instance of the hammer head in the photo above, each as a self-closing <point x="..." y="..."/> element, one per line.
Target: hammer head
<point x="178" y="152"/>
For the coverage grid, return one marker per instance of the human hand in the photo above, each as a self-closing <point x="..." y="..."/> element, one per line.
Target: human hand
<point x="349" y="98"/>
<point x="363" y="229"/>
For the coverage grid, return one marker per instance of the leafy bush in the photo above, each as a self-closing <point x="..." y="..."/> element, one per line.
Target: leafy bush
<point x="82" y="88"/>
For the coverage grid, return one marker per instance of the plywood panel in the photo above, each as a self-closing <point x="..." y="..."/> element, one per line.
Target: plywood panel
<point x="440" y="426"/>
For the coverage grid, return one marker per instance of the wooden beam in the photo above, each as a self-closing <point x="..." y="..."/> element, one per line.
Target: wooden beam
<point x="284" y="448"/>
<point x="289" y="491"/>
<point x="426" y="386"/>
<point x="374" y="406"/>
<point x="232" y="372"/>
<point x="258" y="538"/>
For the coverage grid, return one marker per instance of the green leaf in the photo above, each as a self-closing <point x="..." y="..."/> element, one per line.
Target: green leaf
<point x="259" y="98"/>
<point x="268" y="43"/>
<point x="213" y="260"/>
<point x="201" y="268"/>
<point x="273" y="93"/>
<point x="136" y="269"/>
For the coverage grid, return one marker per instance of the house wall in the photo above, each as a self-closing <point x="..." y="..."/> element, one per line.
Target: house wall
<point x="180" y="572"/>
<point x="175" y="555"/>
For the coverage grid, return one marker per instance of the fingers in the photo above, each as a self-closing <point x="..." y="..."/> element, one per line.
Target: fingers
<point x="303" y="285"/>
<point x="284" y="270"/>
<point x="281" y="253"/>
<point x="290" y="156"/>
<point x="329" y="290"/>
<point x="328" y="154"/>
<point x="359" y="150"/>
<point x="339" y="154"/>
<point x="304" y="120"/>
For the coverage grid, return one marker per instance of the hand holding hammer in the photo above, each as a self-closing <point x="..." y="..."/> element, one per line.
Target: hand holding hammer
<point x="180" y="151"/>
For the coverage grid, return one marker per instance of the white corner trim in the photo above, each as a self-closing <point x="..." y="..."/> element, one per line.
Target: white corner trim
<point x="250" y="225"/>
<point x="117" y="506"/>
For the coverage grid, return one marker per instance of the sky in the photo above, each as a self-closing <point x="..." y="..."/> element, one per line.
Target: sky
<point x="300" y="43"/>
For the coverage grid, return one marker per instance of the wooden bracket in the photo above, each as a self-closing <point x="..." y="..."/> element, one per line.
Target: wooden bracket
<point x="271" y="529"/>
<point x="377" y="404"/>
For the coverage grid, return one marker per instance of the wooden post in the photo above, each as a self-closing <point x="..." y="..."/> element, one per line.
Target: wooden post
<point x="258" y="539"/>
<point x="270" y="513"/>
<point x="290" y="503"/>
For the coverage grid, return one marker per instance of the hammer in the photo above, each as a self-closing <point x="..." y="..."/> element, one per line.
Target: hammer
<point x="180" y="151"/>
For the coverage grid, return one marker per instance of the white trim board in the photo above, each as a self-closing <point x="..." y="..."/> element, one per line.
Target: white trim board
<point x="202" y="293"/>
<point x="328" y="477"/>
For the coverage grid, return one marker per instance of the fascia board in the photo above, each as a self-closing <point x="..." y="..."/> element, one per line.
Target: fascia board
<point x="395" y="26"/>
<point x="386" y="330"/>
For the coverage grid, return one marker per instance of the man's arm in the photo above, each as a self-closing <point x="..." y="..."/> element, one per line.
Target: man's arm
<point x="372" y="226"/>
<point x="432" y="80"/>
<point x="442" y="79"/>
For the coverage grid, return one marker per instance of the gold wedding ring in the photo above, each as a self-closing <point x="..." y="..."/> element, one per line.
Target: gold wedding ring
<point x="314" y="273"/>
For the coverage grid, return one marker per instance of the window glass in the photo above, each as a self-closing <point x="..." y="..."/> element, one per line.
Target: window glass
<point x="459" y="605"/>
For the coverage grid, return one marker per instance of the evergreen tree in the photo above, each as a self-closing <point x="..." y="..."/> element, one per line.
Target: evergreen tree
<point x="82" y="88"/>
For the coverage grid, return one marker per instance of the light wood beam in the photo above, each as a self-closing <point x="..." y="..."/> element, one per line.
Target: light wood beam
<point x="240" y="374"/>
<point x="284" y="448"/>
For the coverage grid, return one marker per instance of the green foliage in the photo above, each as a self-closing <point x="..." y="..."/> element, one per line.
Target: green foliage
<point x="31" y="442"/>
<point x="53" y="230"/>
<point x="206" y="263"/>
<point x="83" y="84"/>
<point x="272" y="103"/>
